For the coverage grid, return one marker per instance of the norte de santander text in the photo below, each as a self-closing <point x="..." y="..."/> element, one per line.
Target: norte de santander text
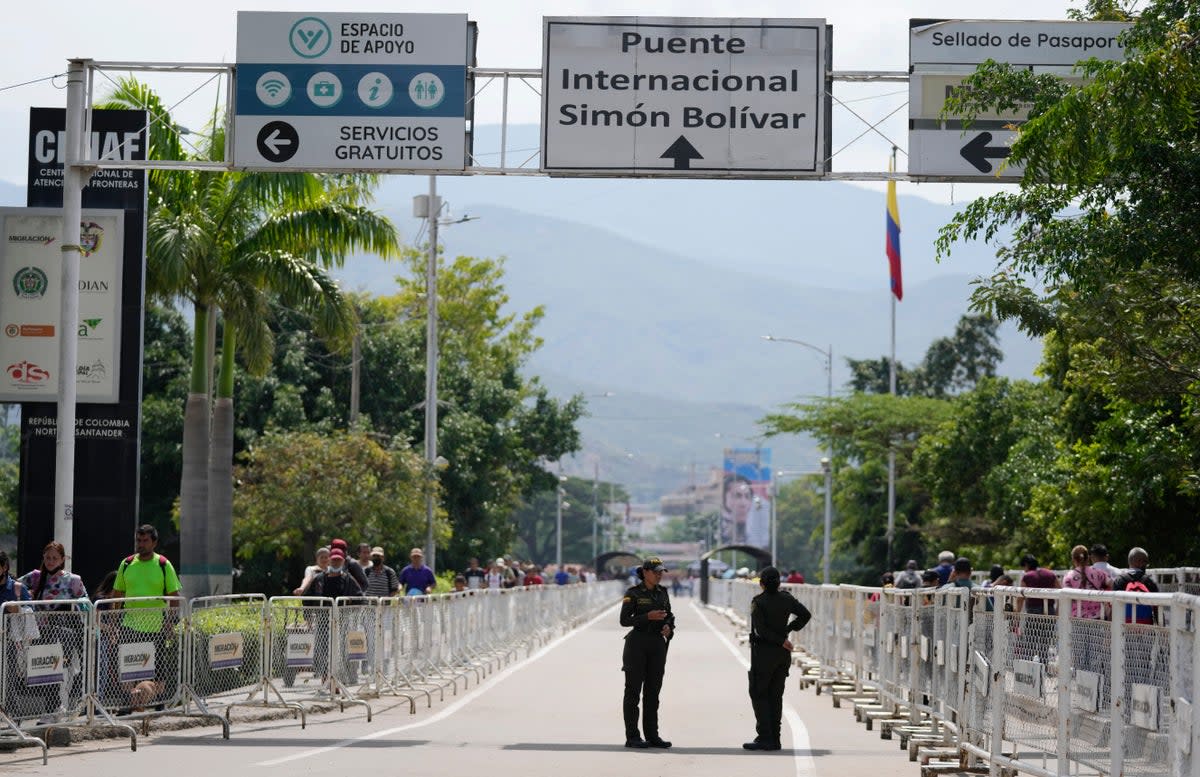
<point x="714" y="81"/>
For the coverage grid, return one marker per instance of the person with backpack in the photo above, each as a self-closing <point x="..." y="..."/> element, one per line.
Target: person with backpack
<point x="910" y="577"/>
<point x="148" y="574"/>
<point x="1135" y="579"/>
<point x="51" y="581"/>
<point x="1086" y="577"/>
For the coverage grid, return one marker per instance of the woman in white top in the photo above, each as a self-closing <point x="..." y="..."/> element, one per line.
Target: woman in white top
<point x="315" y="569"/>
<point x="495" y="576"/>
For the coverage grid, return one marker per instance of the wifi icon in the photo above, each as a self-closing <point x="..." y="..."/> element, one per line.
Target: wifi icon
<point x="273" y="89"/>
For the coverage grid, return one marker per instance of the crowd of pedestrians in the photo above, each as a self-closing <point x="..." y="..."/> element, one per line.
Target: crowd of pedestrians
<point x="145" y="588"/>
<point x="1089" y="570"/>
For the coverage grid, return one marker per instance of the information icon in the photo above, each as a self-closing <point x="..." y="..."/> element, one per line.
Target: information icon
<point x="375" y="90"/>
<point x="273" y="89"/>
<point x="324" y="89"/>
<point x="426" y="90"/>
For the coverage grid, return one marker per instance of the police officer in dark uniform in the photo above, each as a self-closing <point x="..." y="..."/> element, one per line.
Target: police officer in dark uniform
<point x="647" y="609"/>
<point x="771" y="655"/>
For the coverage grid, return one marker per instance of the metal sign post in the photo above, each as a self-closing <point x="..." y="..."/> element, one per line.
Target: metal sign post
<point x="74" y="177"/>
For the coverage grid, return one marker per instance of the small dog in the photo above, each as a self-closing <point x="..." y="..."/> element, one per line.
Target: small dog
<point x="144" y="694"/>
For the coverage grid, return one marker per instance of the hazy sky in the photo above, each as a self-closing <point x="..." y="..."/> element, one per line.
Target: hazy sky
<point x="38" y="37"/>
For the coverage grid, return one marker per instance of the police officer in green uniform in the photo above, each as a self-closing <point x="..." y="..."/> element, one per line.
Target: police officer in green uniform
<point x="771" y="655"/>
<point x="647" y="609"/>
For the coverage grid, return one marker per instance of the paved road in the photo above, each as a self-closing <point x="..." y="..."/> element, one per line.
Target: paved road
<point x="555" y="714"/>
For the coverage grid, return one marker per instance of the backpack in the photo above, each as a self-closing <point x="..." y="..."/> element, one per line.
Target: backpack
<point x="1138" y="613"/>
<point x="162" y="565"/>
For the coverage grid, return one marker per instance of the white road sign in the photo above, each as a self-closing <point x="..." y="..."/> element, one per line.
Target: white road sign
<point x="682" y="97"/>
<point x="342" y="91"/>
<point x="943" y="52"/>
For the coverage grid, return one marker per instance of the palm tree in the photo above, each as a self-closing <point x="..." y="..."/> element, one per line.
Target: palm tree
<point x="232" y="244"/>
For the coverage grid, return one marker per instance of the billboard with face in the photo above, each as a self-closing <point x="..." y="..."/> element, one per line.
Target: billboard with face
<point x="746" y="497"/>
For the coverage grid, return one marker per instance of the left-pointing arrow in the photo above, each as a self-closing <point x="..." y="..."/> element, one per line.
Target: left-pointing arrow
<point x="978" y="152"/>
<point x="275" y="140"/>
<point x="278" y="141"/>
<point x="683" y="152"/>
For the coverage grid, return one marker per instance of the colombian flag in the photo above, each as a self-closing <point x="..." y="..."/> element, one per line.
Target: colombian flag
<point x="893" y="240"/>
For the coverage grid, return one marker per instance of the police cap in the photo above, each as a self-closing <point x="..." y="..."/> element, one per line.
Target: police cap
<point x="653" y="564"/>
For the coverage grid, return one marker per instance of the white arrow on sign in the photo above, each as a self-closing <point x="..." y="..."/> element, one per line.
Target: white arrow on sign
<point x="273" y="142"/>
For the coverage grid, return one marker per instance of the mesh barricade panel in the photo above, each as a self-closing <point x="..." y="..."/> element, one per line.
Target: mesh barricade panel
<point x="46" y="661"/>
<point x="224" y="650"/>
<point x="139" y="653"/>
<point x="352" y="643"/>
<point x="300" y="646"/>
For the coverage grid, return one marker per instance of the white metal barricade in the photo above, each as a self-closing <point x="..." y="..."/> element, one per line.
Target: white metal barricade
<point x="298" y="651"/>
<point x="1050" y="682"/>
<point x="46" y="660"/>
<point x="225" y="637"/>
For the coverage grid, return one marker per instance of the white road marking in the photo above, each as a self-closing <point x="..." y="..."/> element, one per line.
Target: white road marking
<point x="446" y="712"/>
<point x="805" y="765"/>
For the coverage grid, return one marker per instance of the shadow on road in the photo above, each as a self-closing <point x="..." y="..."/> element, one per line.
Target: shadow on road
<point x="237" y="741"/>
<point x="577" y="747"/>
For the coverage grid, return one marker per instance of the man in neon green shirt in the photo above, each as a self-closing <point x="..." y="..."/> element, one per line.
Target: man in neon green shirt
<point x="145" y="573"/>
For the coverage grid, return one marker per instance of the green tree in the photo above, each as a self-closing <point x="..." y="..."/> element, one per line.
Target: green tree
<point x="861" y="429"/>
<point x="10" y="455"/>
<point x="497" y="426"/>
<point x="981" y="465"/>
<point x="299" y="489"/>
<point x="536" y="518"/>
<point x="800" y="512"/>
<point x="165" y="368"/>
<point x="951" y="364"/>
<point x="230" y="243"/>
<point x="1096" y="251"/>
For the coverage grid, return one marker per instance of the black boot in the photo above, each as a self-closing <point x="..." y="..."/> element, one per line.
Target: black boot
<point x="635" y="742"/>
<point x="657" y="741"/>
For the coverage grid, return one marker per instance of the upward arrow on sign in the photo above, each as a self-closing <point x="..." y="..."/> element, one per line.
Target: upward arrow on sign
<point x="683" y="152"/>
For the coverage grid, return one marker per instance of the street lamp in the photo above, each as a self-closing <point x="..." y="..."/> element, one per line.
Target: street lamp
<point x="558" y="522"/>
<point x="827" y="353"/>
<point x="429" y="207"/>
<point x="826" y="463"/>
<point x="827" y="468"/>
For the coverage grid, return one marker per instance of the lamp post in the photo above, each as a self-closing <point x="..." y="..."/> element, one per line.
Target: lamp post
<point x="433" y="209"/>
<point x="826" y="463"/>
<point x="827" y="468"/>
<point x="558" y="522"/>
<point x="429" y="207"/>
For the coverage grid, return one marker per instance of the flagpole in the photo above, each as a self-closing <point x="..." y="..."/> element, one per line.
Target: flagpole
<point x="891" y="518"/>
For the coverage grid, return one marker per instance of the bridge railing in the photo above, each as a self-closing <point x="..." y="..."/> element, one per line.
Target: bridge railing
<point x="1050" y="682"/>
<point x="75" y="663"/>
